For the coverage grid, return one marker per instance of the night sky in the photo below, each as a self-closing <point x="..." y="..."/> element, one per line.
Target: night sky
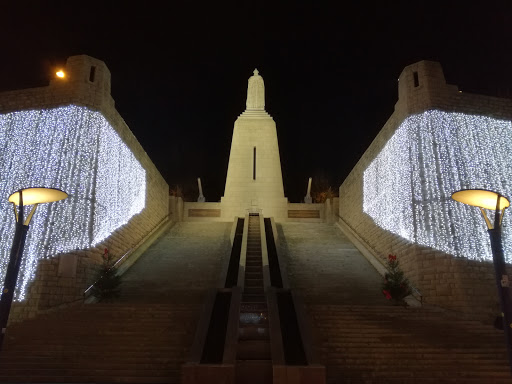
<point x="179" y="72"/>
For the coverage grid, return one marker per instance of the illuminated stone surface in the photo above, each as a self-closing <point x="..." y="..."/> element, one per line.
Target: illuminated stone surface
<point x="86" y="87"/>
<point x="465" y="283"/>
<point x="76" y="150"/>
<point x="408" y="187"/>
<point x="254" y="180"/>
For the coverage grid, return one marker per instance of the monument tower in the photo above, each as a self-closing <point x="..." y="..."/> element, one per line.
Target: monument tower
<point x="254" y="181"/>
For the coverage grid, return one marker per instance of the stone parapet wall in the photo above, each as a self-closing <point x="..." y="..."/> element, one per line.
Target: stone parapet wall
<point x="195" y="211"/>
<point x="216" y="211"/>
<point x="63" y="279"/>
<point x="303" y="212"/>
<point x="451" y="282"/>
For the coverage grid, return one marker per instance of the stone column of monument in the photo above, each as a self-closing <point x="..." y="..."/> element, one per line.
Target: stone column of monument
<point x="254" y="181"/>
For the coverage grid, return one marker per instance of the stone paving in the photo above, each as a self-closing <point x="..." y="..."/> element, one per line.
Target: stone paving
<point x="326" y="267"/>
<point x="181" y="265"/>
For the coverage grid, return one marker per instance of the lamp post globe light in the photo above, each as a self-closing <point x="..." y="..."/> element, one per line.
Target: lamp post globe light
<point x="485" y="199"/>
<point x="21" y="198"/>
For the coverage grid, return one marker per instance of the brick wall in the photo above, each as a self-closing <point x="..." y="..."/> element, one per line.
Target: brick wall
<point x="454" y="283"/>
<point x="62" y="279"/>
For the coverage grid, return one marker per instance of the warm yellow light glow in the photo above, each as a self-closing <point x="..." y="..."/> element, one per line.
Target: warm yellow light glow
<point x="60" y="74"/>
<point x="480" y="198"/>
<point x="37" y="196"/>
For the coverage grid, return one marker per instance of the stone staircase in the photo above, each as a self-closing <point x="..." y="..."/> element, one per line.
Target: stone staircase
<point x="254" y="362"/>
<point x="100" y="343"/>
<point x="143" y="337"/>
<point x="393" y="344"/>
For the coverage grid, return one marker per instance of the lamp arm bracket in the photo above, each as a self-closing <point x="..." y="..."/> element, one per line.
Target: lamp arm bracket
<point x="29" y="217"/>
<point x="487" y="221"/>
<point x="15" y="211"/>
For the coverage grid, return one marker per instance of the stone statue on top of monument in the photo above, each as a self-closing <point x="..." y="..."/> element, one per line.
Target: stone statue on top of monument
<point x="256" y="92"/>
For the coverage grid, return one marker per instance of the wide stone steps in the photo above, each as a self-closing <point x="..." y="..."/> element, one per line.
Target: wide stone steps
<point x="392" y="344"/>
<point x="101" y="343"/>
<point x="26" y="378"/>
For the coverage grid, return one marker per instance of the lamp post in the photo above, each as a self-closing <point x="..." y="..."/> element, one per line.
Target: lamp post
<point x="21" y="198"/>
<point x="485" y="199"/>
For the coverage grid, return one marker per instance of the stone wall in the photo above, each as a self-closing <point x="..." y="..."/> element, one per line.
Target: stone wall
<point x="303" y="212"/>
<point x="212" y="211"/>
<point x="451" y="282"/>
<point x="63" y="279"/>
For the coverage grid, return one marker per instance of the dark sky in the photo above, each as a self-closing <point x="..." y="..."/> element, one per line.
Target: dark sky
<point x="179" y="71"/>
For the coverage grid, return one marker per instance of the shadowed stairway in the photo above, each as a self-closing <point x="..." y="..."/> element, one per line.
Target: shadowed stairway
<point x="141" y="338"/>
<point x="145" y="336"/>
<point x="392" y="344"/>
<point x="364" y="339"/>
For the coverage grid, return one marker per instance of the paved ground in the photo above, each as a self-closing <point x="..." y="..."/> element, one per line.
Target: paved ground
<point x="326" y="267"/>
<point x="181" y="265"/>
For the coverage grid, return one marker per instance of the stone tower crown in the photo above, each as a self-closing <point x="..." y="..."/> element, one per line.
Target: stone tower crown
<point x="421" y="86"/>
<point x="88" y="81"/>
<point x="83" y="70"/>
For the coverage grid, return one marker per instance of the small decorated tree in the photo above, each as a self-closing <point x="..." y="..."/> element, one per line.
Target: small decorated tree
<point x="107" y="281"/>
<point x="395" y="286"/>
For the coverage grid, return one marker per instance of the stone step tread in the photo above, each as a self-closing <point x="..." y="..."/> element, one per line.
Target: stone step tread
<point x="85" y="366"/>
<point x="253" y="299"/>
<point x="254" y="307"/>
<point x="390" y="326"/>
<point x="252" y="331"/>
<point x="462" y="374"/>
<point x="425" y="358"/>
<point x="254" y="275"/>
<point x="83" y="321"/>
<point x="140" y="328"/>
<point x="84" y="372"/>
<point x="404" y="349"/>
<point x="90" y="378"/>
<point x="334" y="379"/>
<point x="385" y="318"/>
<point x="94" y="360"/>
<point x="253" y="349"/>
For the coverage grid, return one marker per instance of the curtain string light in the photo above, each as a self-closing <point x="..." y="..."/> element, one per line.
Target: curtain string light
<point x="76" y="150"/>
<point x="408" y="186"/>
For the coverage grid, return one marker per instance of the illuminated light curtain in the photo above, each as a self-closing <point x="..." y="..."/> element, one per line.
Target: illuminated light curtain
<point x="74" y="149"/>
<point x="408" y="186"/>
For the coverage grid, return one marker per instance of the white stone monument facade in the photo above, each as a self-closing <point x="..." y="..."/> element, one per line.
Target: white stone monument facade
<point x="254" y="181"/>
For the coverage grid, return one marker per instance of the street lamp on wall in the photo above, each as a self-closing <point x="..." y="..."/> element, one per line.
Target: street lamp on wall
<point x="485" y="199"/>
<point x="21" y="198"/>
